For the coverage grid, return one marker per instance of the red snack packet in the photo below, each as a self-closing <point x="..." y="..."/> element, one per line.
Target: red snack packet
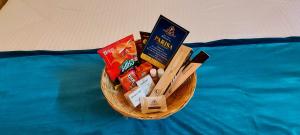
<point x="144" y="37"/>
<point x="119" y="56"/>
<point x="143" y="69"/>
<point x="139" y="47"/>
<point x="128" y="80"/>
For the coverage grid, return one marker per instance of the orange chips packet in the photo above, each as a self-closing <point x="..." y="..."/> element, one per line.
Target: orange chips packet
<point x="143" y="69"/>
<point x="119" y="56"/>
<point x="128" y="80"/>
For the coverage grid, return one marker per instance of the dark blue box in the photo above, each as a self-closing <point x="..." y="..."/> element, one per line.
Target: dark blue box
<point x="166" y="37"/>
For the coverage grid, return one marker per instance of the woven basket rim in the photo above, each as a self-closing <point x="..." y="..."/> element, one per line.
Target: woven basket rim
<point x="147" y="116"/>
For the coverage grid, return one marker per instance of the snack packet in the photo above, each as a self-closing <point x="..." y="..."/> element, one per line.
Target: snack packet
<point x="140" y="44"/>
<point x="128" y="80"/>
<point x="143" y="69"/>
<point x="139" y="47"/>
<point x="144" y="37"/>
<point x="119" y="56"/>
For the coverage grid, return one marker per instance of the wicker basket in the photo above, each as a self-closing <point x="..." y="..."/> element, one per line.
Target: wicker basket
<point x="2" y="3"/>
<point x="175" y="102"/>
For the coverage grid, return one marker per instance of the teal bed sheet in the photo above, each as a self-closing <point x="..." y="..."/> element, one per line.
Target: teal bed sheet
<point x="247" y="86"/>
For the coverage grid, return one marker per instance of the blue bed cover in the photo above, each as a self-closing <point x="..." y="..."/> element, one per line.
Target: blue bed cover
<point x="247" y="86"/>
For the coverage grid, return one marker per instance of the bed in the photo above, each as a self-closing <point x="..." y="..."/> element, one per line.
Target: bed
<point x="50" y="70"/>
<point x="81" y="24"/>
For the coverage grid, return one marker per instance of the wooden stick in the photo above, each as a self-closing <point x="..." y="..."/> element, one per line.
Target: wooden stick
<point x="185" y="72"/>
<point x="172" y="69"/>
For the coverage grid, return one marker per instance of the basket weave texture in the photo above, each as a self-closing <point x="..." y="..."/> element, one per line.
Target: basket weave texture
<point x="175" y="102"/>
<point x="2" y="3"/>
